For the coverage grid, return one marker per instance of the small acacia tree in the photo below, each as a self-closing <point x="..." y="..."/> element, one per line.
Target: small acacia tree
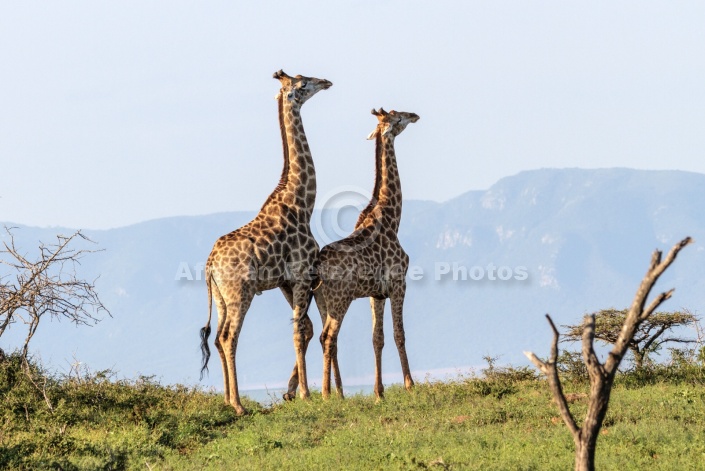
<point x="45" y="285"/>
<point x="602" y="375"/>
<point x="649" y="335"/>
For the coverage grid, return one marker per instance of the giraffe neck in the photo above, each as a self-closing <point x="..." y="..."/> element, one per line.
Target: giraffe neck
<point x="386" y="203"/>
<point x="297" y="185"/>
<point x="364" y="218"/>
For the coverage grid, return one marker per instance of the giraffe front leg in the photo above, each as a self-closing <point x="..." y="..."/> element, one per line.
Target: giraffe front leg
<point x="377" y="306"/>
<point x="290" y="395"/>
<point x="303" y="331"/>
<point x="397" y="301"/>
<point x="293" y="384"/>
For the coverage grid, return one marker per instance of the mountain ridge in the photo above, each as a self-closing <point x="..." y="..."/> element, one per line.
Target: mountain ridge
<point x="584" y="236"/>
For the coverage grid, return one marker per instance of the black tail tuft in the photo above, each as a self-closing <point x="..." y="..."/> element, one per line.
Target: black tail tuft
<point x="310" y="298"/>
<point x="205" y="351"/>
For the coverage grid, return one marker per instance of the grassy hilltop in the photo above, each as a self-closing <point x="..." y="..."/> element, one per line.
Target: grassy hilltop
<point x="504" y="421"/>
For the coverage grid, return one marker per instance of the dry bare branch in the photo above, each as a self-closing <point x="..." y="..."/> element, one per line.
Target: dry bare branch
<point x="602" y="376"/>
<point x="32" y="288"/>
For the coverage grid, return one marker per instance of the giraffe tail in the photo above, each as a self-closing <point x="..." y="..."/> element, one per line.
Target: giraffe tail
<point x="310" y="298"/>
<point x="206" y="331"/>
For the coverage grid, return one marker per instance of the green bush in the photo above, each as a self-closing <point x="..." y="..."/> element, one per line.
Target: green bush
<point x="95" y="421"/>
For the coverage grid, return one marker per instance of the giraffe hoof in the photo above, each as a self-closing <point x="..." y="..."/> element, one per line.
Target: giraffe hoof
<point x="289" y="396"/>
<point x="240" y="411"/>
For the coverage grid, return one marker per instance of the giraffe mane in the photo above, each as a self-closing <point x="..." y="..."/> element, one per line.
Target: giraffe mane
<point x="285" y="149"/>
<point x="378" y="181"/>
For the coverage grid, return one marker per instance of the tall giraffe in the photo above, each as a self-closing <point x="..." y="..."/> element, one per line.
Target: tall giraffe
<point x="369" y="262"/>
<point x="274" y="250"/>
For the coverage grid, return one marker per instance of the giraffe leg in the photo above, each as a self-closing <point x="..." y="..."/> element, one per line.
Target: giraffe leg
<point x="377" y="306"/>
<point x="228" y="337"/>
<point x="329" y="340"/>
<point x="222" y="315"/>
<point x="322" y="309"/>
<point x="303" y="332"/>
<point x="290" y="395"/>
<point x="331" y="327"/>
<point x="397" y="300"/>
<point x="336" y="374"/>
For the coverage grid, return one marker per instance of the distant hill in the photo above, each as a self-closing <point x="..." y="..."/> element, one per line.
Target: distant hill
<point x="568" y="242"/>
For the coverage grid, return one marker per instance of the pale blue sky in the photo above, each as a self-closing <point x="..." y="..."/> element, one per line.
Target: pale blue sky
<point x="113" y="113"/>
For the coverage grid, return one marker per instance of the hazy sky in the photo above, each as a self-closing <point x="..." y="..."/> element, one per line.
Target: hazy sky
<point x="116" y="112"/>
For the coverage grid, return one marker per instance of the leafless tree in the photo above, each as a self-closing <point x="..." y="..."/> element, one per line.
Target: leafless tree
<point x="602" y="375"/>
<point x="32" y="288"/>
<point x="648" y="337"/>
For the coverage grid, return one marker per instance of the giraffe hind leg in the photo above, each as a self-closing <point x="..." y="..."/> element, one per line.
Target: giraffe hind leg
<point x="323" y="311"/>
<point x="236" y="310"/>
<point x="222" y="316"/>
<point x="329" y="341"/>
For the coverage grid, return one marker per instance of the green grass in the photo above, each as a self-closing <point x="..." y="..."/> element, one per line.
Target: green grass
<point x="91" y="421"/>
<point x="457" y="425"/>
<point x="505" y="422"/>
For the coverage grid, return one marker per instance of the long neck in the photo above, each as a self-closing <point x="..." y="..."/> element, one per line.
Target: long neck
<point x="301" y="176"/>
<point x="389" y="198"/>
<point x="386" y="202"/>
<point x="361" y="219"/>
<point x="297" y="185"/>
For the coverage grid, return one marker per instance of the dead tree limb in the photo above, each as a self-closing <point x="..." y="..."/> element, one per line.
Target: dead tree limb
<point x="602" y="376"/>
<point x="549" y="369"/>
<point x="46" y="285"/>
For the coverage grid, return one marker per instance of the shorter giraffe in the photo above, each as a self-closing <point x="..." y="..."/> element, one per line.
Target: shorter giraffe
<point x="369" y="262"/>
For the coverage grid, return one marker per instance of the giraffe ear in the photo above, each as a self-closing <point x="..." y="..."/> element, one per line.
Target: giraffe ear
<point x="373" y="134"/>
<point x="387" y="129"/>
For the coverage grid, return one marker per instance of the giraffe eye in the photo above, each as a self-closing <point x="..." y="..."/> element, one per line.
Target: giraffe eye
<point x="303" y="84"/>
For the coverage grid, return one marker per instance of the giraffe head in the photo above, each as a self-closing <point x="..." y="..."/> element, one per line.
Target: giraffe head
<point x="299" y="89"/>
<point x="392" y="123"/>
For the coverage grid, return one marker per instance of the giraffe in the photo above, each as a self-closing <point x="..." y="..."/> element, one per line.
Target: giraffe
<point x="370" y="262"/>
<point x="274" y="250"/>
